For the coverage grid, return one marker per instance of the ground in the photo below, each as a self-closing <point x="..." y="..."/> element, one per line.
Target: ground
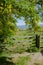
<point x="36" y="58"/>
<point x="21" y="52"/>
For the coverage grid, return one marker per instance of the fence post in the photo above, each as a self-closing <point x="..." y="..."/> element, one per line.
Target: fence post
<point x="38" y="41"/>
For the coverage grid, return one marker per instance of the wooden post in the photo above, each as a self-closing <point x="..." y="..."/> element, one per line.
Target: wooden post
<point x="38" y="41"/>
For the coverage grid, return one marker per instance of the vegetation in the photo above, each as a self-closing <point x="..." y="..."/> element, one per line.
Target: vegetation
<point x="37" y="64"/>
<point x="7" y="22"/>
<point x="15" y="61"/>
<point x="10" y="10"/>
<point x="19" y="44"/>
<point x="23" y="60"/>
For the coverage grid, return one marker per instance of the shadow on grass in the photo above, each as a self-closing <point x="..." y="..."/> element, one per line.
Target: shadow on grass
<point x="3" y="61"/>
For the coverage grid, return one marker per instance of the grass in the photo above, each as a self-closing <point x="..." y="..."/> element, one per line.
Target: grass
<point x="37" y="64"/>
<point x="15" y="61"/>
<point x="20" y="45"/>
<point x="22" y="60"/>
<point x="4" y="61"/>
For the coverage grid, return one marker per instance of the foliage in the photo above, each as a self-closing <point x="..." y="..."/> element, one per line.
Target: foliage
<point x="7" y="21"/>
<point x="4" y="61"/>
<point x="32" y="48"/>
<point x="10" y="10"/>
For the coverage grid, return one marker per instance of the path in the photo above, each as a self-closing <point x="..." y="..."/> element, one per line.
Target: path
<point x="35" y="57"/>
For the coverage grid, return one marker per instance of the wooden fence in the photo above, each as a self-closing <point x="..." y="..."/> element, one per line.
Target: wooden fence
<point x="41" y="41"/>
<point x="37" y="39"/>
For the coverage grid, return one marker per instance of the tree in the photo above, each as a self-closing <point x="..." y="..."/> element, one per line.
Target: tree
<point x="31" y="10"/>
<point x="7" y="20"/>
<point x="10" y="10"/>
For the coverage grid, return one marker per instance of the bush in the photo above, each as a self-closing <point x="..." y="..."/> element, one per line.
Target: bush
<point x="32" y="48"/>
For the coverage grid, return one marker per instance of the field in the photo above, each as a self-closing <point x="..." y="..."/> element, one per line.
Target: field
<point x="21" y="49"/>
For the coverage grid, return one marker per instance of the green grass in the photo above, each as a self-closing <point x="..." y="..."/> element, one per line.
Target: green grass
<point x="37" y="64"/>
<point x="19" y="46"/>
<point x="23" y="60"/>
<point x="15" y="61"/>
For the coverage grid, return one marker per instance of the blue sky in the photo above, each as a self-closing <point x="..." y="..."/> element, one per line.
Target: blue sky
<point x="41" y="24"/>
<point x="20" y="22"/>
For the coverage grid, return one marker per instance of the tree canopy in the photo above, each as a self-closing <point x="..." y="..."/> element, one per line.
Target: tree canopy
<point x="31" y="10"/>
<point x="10" y="10"/>
<point x="7" y="20"/>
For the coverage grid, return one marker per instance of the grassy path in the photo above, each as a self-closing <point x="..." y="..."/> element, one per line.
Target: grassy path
<point x="35" y="57"/>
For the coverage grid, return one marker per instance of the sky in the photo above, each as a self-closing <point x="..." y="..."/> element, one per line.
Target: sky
<point x="41" y="24"/>
<point x="22" y="22"/>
